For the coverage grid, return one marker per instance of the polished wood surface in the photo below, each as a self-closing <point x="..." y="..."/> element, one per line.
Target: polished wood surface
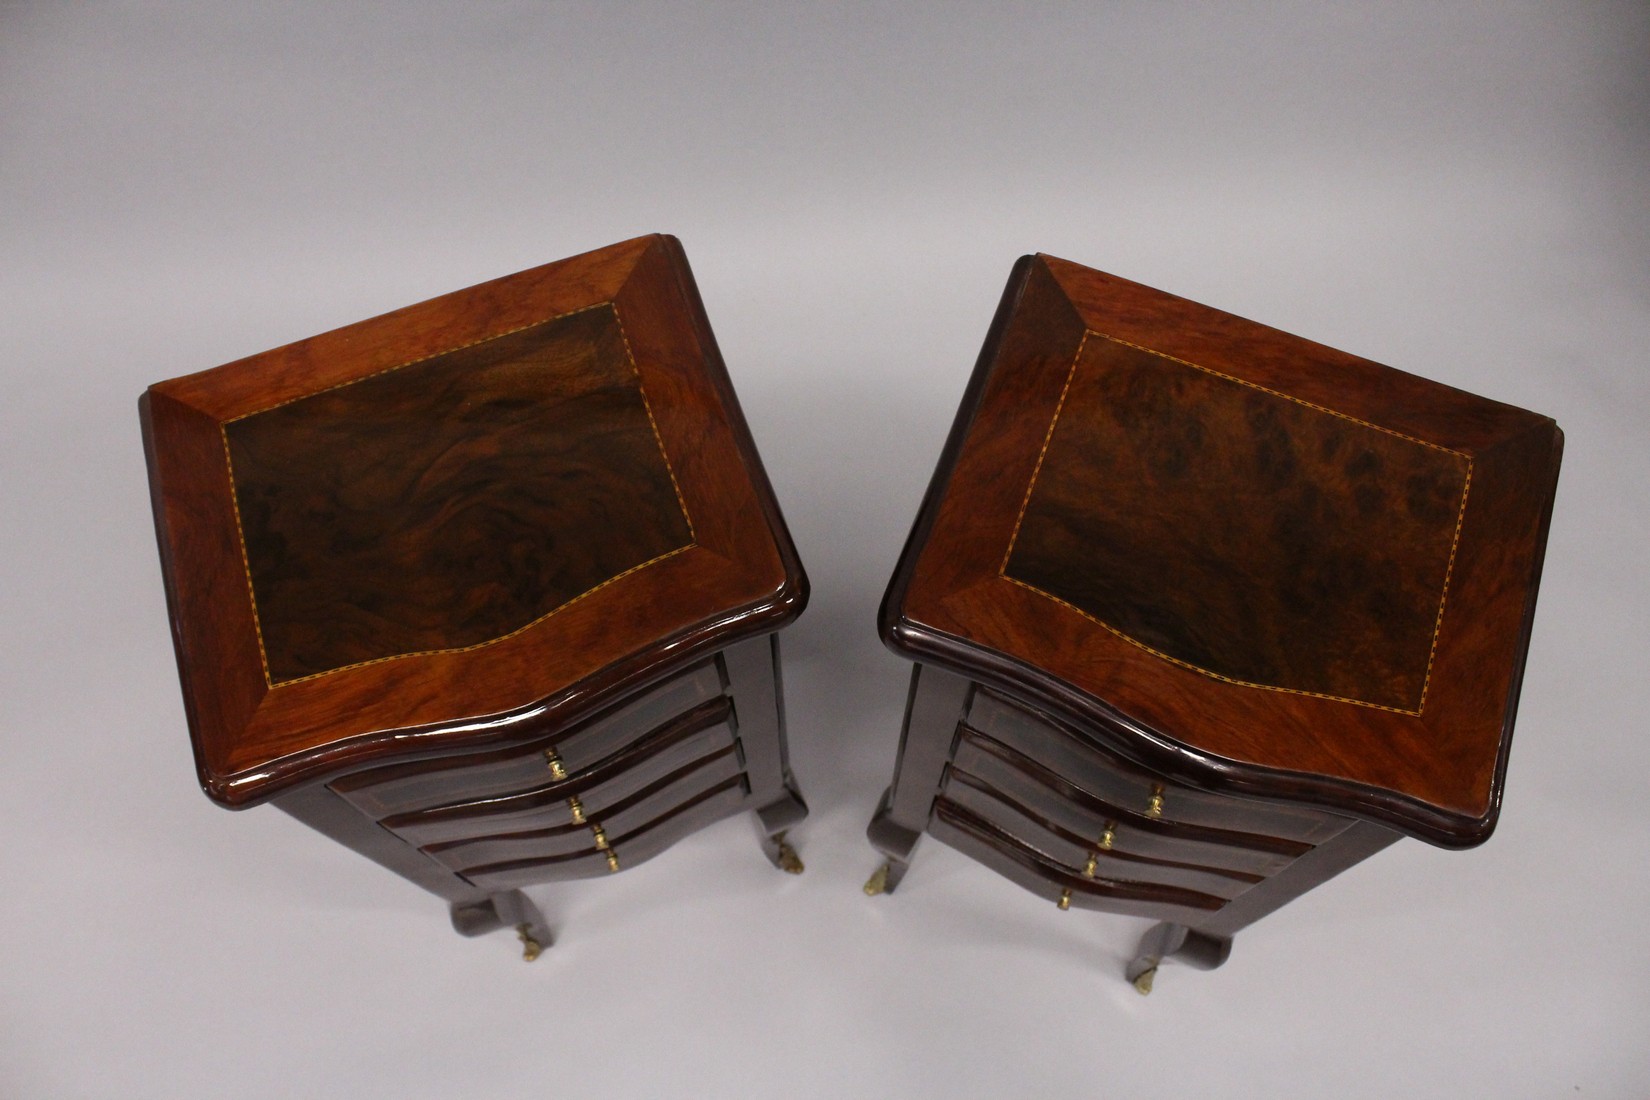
<point x="652" y="581"/>
<point x="1250" y="563"/>
<point x="701" y="732"/>
<point x="449" y="780"/>
<point x="1071" y="821"/>
<point x="450" y="502"/>
<point x="1240" y="532"/>
<point x="1083" y="765"/>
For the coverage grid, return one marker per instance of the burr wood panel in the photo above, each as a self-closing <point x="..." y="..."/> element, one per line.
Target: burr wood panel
<point x="452" y="501"/>
<point x="1241" y="532"/>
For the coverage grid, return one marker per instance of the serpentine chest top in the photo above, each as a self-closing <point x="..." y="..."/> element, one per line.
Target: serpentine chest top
<point x="1266" y="566"/>
<point x="517" y="538"/>
<point x="1204" y="614"/>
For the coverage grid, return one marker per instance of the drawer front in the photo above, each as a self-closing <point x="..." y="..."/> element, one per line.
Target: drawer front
<point x="588" y="794"/>
<point x="1087" y="855"/>
<point x="402" y="788"/>
<point x="1126" y="786"/>
<point x="1078" y="811"/>
<point x="619" y="818"/>
<point x="628" y="849"/>
<point x="974" y="836"/>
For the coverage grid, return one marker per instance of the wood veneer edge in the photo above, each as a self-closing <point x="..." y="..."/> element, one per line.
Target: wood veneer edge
<point x="572" y="703"/>
<point x="792" y="599"/>
<point x="892" y="624"/>
<point x="1174" y="759"/>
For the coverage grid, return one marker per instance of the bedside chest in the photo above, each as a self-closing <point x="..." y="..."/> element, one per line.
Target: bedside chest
<point x="486" y="588"/>
<point x="1204" y="613"/>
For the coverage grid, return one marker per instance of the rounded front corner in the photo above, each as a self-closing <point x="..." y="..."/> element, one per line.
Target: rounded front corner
<point x="225" y="792"/>
<point x="793" y="595"/>
<point x="1461" y="833"/>
<point x="913" y="642"/>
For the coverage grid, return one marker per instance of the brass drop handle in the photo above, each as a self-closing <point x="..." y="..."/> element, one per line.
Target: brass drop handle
<point x="1102" y="845"/>
<point x="605" y="848"/>
<point x="1154" y="808"/>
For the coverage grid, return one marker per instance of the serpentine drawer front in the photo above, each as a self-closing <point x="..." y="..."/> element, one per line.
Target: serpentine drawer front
<point x="1204" y="613"/>
<point x="487" y="588"/>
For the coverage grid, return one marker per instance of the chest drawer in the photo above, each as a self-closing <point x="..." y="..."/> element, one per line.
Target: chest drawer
<point x="1016" y="860"/>
<point x="1127" y="787"/>
<point x="381" y="792"/>
<point x="583" y="796"/>
<point x="1084" y="854"/>
<point x="628" y="848"/>
<point x="617" y="818"/>
<point x="1078" y="811"/>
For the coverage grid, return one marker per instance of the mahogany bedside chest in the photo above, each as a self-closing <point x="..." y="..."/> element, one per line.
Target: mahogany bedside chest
<point x="486" y="588"/>
<point x="1204" y="614"/>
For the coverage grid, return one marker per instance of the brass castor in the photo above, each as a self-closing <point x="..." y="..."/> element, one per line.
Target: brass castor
<point x="530" y="948"/>
<point x="788" y="860"/>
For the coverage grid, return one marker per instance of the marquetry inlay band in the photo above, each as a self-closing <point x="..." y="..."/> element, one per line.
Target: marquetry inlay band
<point x="451" y="502"/>
<point x="1241" y="532"/>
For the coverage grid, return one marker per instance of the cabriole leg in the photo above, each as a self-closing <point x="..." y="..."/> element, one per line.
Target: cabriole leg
<point x="1166" y="940"/>
<point x="935" y="705"/>
<point x="752" y="671"/>
<point x="773" y="821"/>
<point x="511" y="909"/>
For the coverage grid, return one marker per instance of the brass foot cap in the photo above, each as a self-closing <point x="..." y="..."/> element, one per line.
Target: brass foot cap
<point x="530" y="948"/>
<point x="877" y="883"/>
<point x="789" y="861"/>
<point x="1143" y="984"/>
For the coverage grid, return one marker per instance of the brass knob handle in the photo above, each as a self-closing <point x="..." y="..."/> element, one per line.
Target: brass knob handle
<point x="1065" y="900"/>
<point x="1108" y="837"/>
<point x="605" y="847"/>
<point x="557" y="770"/>
<point x="1154" y="808"/>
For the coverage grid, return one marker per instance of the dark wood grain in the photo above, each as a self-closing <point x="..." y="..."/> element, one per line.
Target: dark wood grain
<point x="739" y="578"/>
<point x="1393" y="712"/>
<point x="453" y="501"/>
<point x="1245" y="534"/>
<point x="483" y="588"/>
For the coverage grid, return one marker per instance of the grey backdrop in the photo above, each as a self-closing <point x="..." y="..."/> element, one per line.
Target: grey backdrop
<point x="1456" y="189"/>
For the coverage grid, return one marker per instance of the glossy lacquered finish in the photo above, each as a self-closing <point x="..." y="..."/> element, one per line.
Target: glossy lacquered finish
<point x="484" y="588"/>
<point x="450" y="503"/>
<point x="1204" y="612"/>
<point x="529" y="649"/>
